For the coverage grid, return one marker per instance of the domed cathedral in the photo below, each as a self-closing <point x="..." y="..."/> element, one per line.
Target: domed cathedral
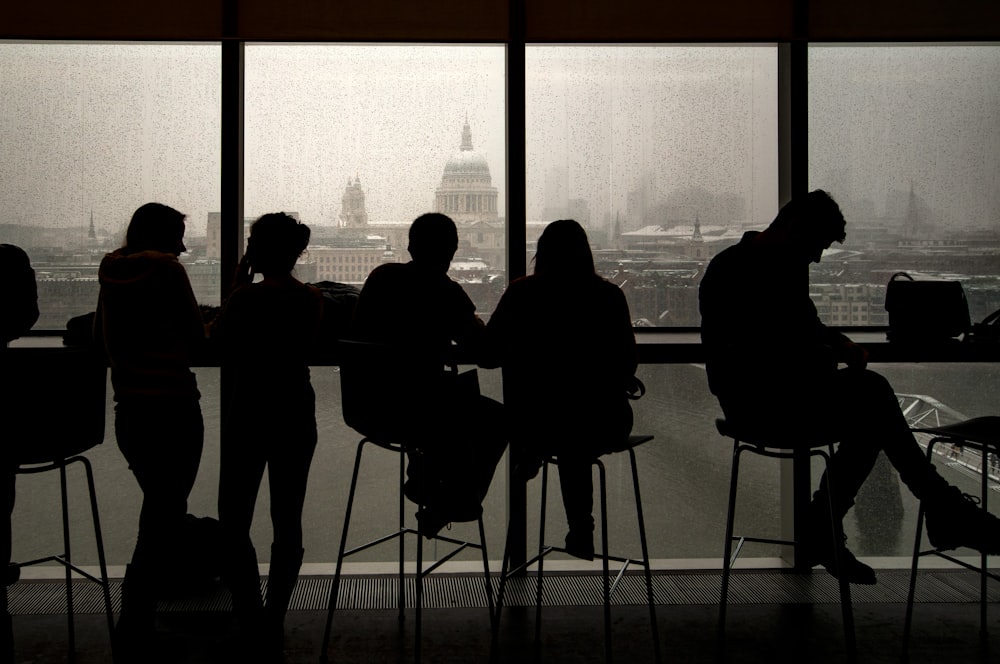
<point x="352" y="207"/>
<point x="467" y="193"/>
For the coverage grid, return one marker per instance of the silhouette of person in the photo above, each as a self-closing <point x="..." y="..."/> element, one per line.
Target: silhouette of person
<point x="415" y="306"/>
<point x="150" y="327"/>
<point x="267" y="332"/>
<point x="565" y="385"/>
<point x="18" y="312"/>
<point x="773" y="366"/>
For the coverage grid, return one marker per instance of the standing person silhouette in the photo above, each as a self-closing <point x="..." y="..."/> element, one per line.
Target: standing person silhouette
<point x="417" y="307"/>
<point x="150" y="327"/>
<point x="564" y="338"/>
<point x="18" y="312"/>
<point x="267" y="331"/>
<point x="773" y="366"/>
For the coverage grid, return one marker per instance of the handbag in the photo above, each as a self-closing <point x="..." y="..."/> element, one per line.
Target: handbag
<point x="925" y="310"/>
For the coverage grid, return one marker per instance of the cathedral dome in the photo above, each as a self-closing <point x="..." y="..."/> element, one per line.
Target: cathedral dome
<point x="467" y="161"/>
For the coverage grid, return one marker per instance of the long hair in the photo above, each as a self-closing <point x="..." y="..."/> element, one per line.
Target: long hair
<point x="564" y="251"/>
<point x="155" y="227"/>
<point x="276" y="242"/>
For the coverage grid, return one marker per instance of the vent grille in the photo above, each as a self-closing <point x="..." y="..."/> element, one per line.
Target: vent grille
<point x="359" y="592"/>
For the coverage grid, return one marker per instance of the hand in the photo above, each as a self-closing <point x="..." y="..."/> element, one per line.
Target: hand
<point x="855" y="356"/>
<point x="244" y="271"/>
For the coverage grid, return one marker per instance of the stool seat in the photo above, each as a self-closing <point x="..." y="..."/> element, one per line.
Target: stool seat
<point x="982" y="430"/>
<point x="781" y="439"/>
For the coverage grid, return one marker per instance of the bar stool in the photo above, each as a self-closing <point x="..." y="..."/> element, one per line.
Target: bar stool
<point x="57" y="407"/>
<point x="776" y="448"/>
<point x="357" y="383"/>
<point x="608" y="586"/>
<point x="982" y="434"/>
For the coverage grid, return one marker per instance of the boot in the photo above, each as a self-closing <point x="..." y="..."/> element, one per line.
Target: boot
<point x="134" y="632"/>
<point x="820" y="548"/>
<point x="281" y="580"/>
<point x="955" y="519"/>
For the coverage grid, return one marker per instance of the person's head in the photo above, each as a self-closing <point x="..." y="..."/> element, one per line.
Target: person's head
<point x="433" y="240"/>
<point x="276" y="242"/>
<point x="18" y="293"/>
<point x="155" y="227"/>
<point x="564" y="251"/>
<point x="811" y="223"/>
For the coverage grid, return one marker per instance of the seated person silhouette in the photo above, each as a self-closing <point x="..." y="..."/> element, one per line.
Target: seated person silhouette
<point x="18" y="312"/>
<point x="149" y="324"/>
<point x="564" y="338"/>
<point x="773" y="366"/>
<point x="267" y="332"/>
<point x="421" y="312"/>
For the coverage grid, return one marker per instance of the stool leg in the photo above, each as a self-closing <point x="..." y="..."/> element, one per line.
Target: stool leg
<point x="335" y="587"/>
<point x="419" y="600"/>
<point x="541" y="556"/>
<point x="401" y="587"/>
<point x="605" y="572"/>
<point x="984" y="498"/>
<point x="68" y="556"/>
<point x="911" y="593"/>
<point x="487" y="581"/>
<point x="645" y="558"/>
<point x="847" y="609"/>
<point x="99" y="541"/>
<point x="728" y="546"/>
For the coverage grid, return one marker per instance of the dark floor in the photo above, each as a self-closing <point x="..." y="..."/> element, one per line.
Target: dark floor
<point x="773" y="617"/>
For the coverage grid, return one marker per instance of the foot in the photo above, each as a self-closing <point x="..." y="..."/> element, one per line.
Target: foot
<point x="580" y="544"/>
<point x="431" y="520"/>
<point x="839" y="561"/>
<point x="956" y="520"/>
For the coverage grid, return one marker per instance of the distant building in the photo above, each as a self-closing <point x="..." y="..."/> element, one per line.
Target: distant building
<point x="466" y="193"/>
<point x="352" y="207"/>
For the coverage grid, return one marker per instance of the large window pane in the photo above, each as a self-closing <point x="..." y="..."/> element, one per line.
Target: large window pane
<point x="665" y="155"/>
<point x="359" y="140"/>
<point x="907" y="139"/>
<point x="88" y="133"/>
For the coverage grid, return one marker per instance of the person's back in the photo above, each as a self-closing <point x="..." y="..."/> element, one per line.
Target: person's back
<point x="420" y="313"/>
<point x="150" y="324"/>
<point x="568" y="353"/>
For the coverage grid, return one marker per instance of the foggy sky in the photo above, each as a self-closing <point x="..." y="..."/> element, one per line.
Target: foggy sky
<point x="107" y="127"/>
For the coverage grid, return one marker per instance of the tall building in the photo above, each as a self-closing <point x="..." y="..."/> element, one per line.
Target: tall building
<point x="352" y="206"/>
<point x="466" y="193"/>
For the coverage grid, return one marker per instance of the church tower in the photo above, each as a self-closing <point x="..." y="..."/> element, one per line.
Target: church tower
<point x="352" y="205"/>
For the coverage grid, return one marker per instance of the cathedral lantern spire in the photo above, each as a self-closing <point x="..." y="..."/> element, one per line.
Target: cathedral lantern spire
<point x="466" y="137"/>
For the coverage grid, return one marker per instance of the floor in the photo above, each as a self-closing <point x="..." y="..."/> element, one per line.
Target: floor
<point x="773" y="617"/>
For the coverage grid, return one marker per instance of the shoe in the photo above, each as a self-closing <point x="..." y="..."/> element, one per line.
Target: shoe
<point x="837" y="562"/>
<point x="431" y="520"/>
<point x="580" y="545"/>
<point x="956" y="520"/>
<point x="13" y="573"/>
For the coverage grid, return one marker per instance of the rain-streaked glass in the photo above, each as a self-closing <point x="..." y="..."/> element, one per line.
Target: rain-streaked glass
<point x="88" y="133"/>
<point x="664" y="153"/>
<point x="359" y="140"/>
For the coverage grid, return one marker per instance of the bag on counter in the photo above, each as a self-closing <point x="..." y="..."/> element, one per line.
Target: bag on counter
<point x="925" y="310"/>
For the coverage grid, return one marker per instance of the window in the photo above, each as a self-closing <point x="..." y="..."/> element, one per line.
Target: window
<point x="664" y="154"/>
<point x="92" y="131"/>
<point x="907" y="139"/>
<point x="362" y="139"/>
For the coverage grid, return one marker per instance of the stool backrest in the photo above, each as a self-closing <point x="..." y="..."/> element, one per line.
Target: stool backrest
<point x="53" y="405"/>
